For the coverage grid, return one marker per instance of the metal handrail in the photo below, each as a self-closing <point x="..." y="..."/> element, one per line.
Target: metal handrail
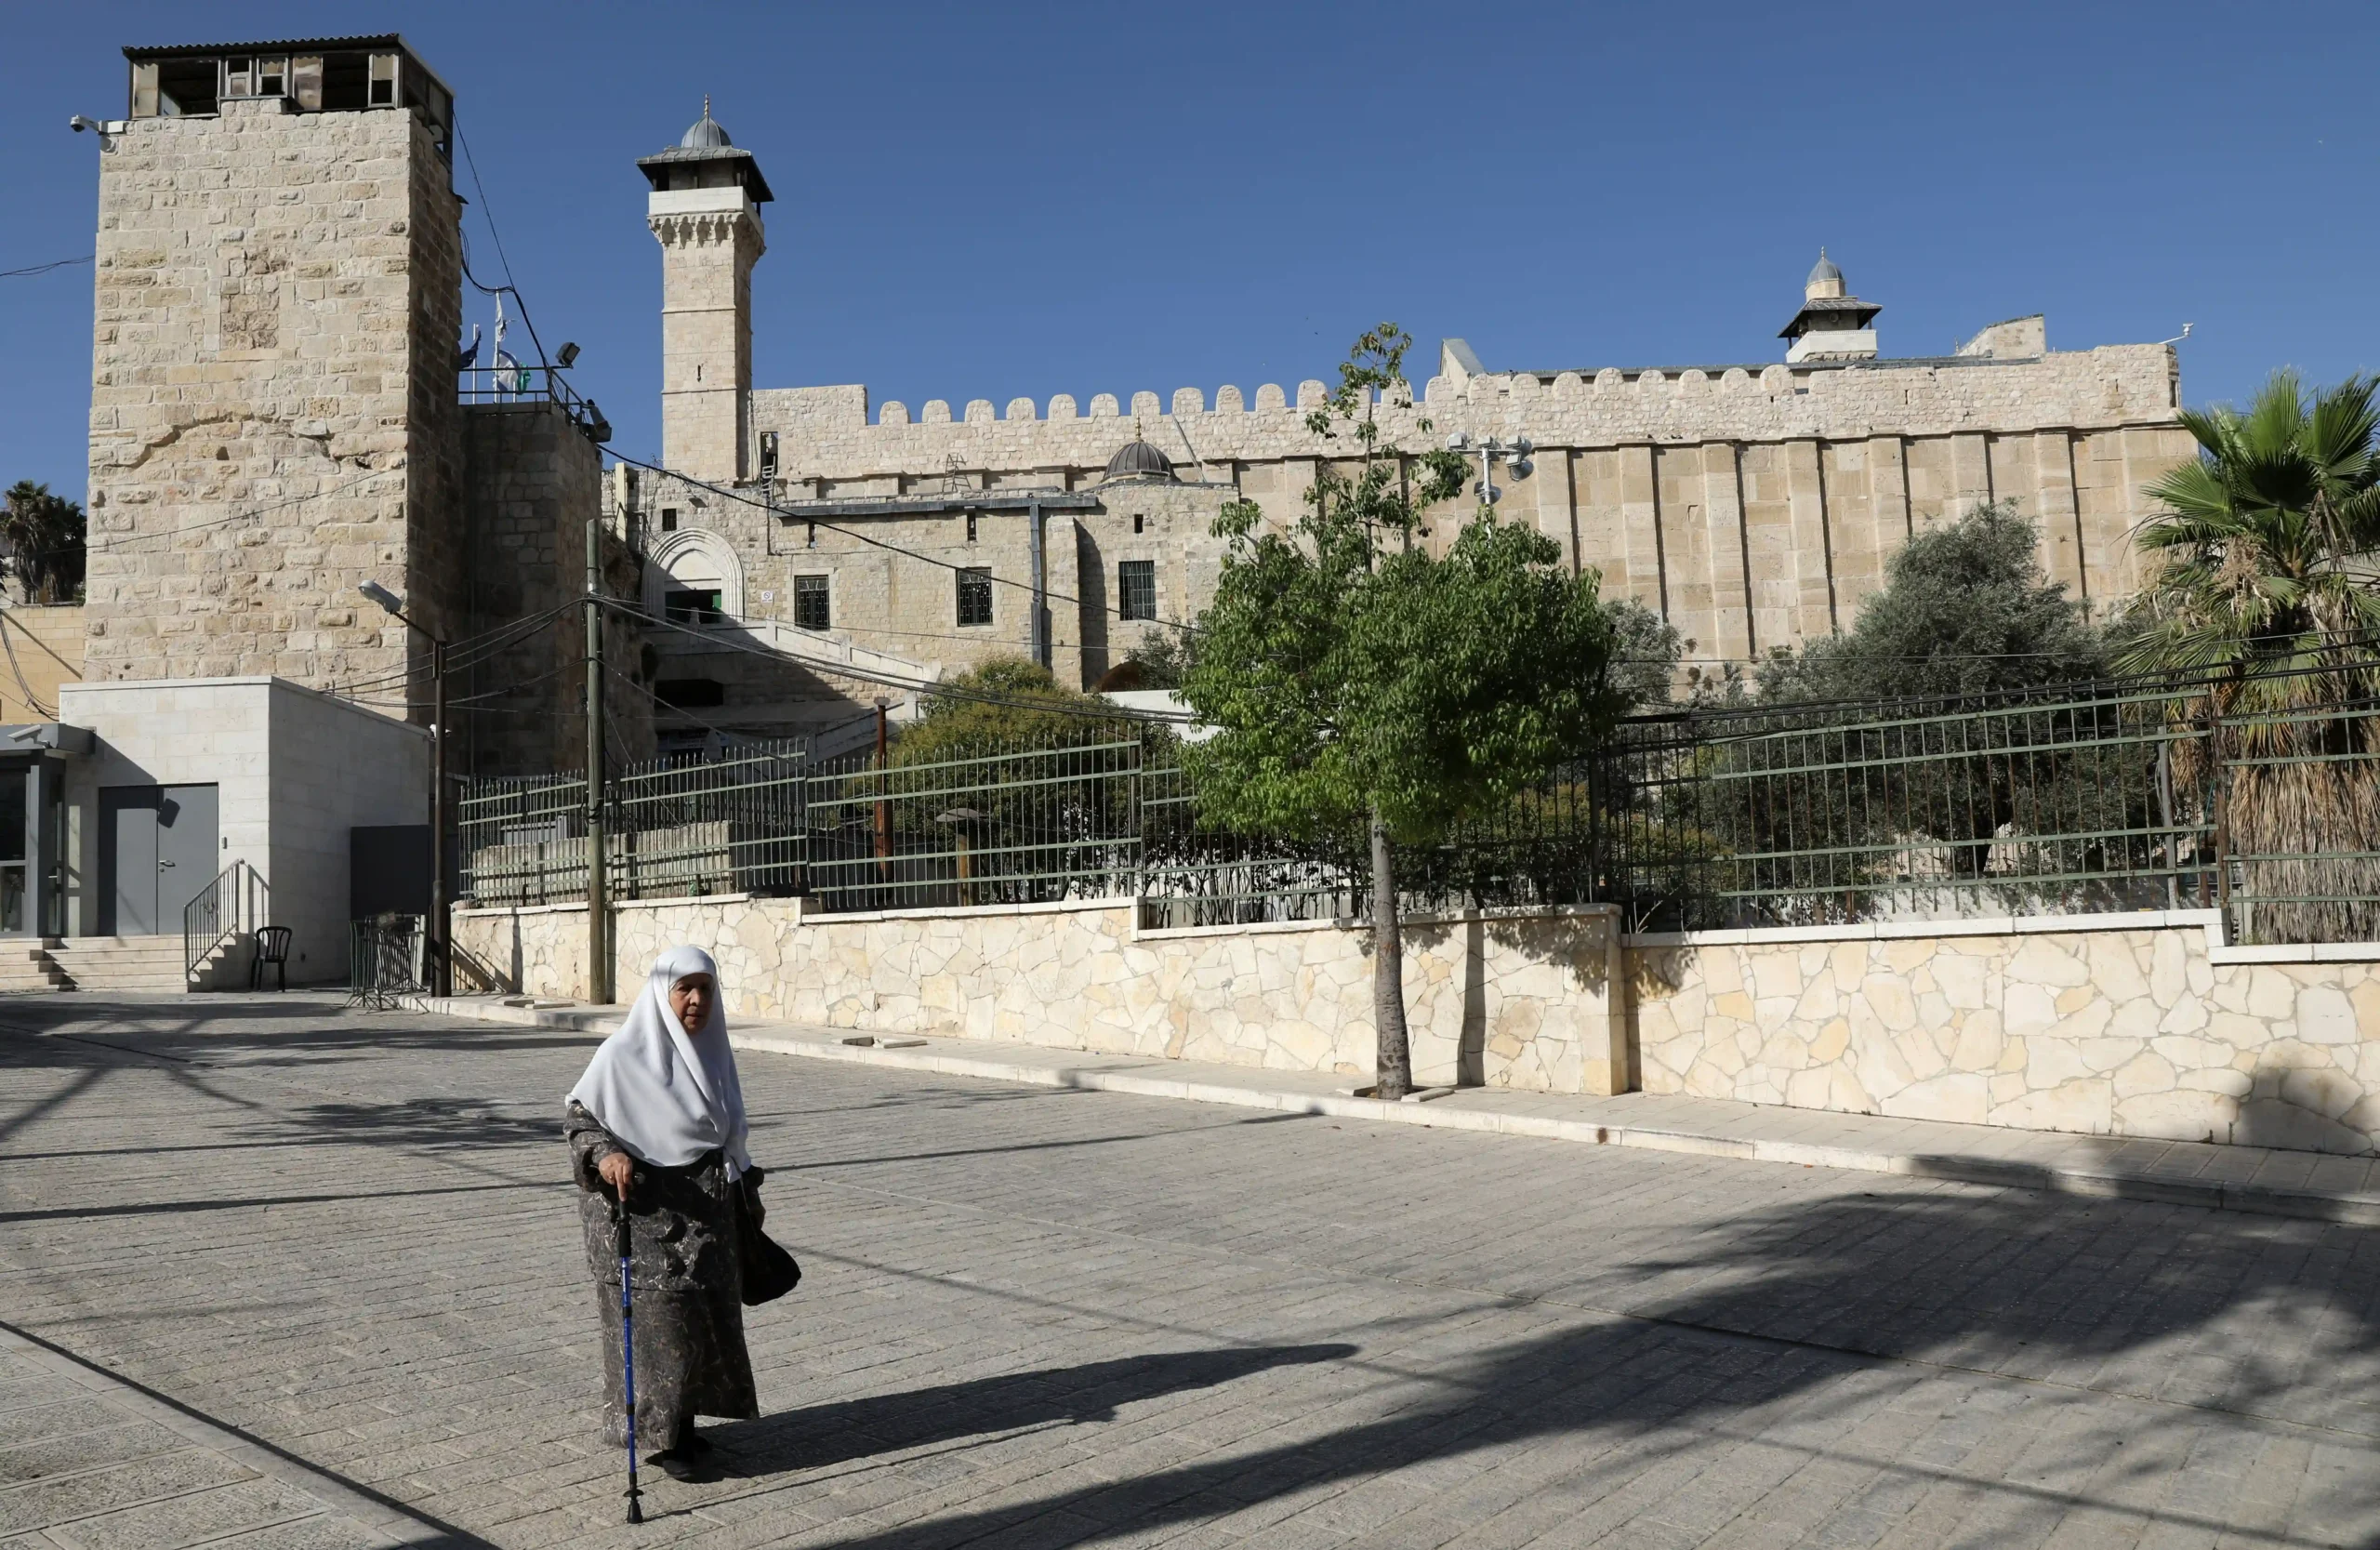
<point x="526" y="384"/>
<point x="238" y="900"/>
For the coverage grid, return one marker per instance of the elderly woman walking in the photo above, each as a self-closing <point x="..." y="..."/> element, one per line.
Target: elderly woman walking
<point x="658" y="1121"/>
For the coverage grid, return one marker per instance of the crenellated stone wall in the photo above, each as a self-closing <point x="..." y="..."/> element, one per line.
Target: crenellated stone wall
<point x="1754" y="508"/>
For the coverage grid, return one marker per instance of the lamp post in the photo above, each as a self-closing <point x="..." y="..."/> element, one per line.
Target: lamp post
<point x="1491" y="451"/>
<point x="440" y="978"/>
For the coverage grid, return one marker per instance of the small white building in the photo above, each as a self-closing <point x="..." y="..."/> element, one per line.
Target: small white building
<point x="146" y="795"/>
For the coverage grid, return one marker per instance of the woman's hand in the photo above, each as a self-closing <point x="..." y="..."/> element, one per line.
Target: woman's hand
<point x="618" y="1168"/>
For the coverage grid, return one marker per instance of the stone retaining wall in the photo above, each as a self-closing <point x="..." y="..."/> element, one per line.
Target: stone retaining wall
<point x="1507" y="1000"/>
<point x="2122" y="1025"/>
<point x="2084" y="1024"/>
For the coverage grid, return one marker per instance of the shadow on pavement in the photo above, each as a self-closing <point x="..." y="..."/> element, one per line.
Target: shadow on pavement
<point x="1811" y="1308"/>
<point x="830" y="1434"/>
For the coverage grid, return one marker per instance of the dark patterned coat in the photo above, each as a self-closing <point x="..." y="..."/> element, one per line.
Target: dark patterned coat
<point x="687" y="1276"/>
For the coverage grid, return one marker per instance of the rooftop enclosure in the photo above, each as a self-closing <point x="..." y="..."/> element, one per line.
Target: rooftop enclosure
<point x="311" y="76"/>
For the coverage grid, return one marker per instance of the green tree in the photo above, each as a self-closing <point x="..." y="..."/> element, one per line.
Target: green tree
<point x="1360" y="686"/>
<point x="45" y="535"/>
<point x="1965" y="611"/>
<point x="1960" y="644"/>
<point x="1645" y="652"/>
<point x="2264" y="583"/>
<point x="1004" y="704"/>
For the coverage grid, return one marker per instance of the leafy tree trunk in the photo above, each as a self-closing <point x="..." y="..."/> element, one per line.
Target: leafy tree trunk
<point x="1394" y="1060"/>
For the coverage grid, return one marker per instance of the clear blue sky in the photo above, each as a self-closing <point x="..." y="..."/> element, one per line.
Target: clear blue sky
<point x="986" y="201"/>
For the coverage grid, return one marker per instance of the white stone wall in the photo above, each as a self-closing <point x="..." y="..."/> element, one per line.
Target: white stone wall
<point x="2041" y="1025"/>
<point x="294" y="771"/>
<point x="2105" y="1025"/>
<point x="1518" y="1000"/>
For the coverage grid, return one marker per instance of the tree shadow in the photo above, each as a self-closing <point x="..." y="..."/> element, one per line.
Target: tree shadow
<point x="820" y="1436"/>
<point x="1818" y="1316"/>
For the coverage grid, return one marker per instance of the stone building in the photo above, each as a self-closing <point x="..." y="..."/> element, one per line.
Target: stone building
<point x="277" y="419"/>
<point x="1754" y="504"/>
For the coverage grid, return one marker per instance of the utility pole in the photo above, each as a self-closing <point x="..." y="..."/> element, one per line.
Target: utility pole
<point x="599" y="904"/>
<point x="1039" y="634"/>
<point x="442" y="971"/>
<point x="435" y="927"/>
<point x="883" y="807"/>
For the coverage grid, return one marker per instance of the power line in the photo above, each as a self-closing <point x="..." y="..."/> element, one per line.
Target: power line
<point x="1047" y="594"/>
<point x="928" y="688"/>
<point x="43" y="269"/>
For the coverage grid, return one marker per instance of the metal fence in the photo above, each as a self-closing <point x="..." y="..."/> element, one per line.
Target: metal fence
<point x="733" y="823"/>
<point x="1771" y="817"/>
<point x="2114" y="798"/>
<point x="1015" y="825"/>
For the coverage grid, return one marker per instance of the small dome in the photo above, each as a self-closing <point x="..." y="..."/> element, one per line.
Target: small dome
<point x="705" y="135"/>
<point x="1824" y="270"/>
<point x="1139" y="461"/>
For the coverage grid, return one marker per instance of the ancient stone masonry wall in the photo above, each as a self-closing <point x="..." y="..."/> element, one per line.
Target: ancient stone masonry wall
<point x="532" y="482"/>
<point x="1753" y="511"/>
<point x="273" y="406"/>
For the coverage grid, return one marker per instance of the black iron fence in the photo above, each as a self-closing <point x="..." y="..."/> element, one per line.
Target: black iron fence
<point x="2114" y="798"/>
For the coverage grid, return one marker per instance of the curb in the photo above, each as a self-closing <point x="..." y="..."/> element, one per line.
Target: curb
<point x="2087" y="1183"/>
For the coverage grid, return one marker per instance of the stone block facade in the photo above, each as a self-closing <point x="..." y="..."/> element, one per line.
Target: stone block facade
<point x="2095" y="1024"/>
<point x="44" y="650"/>
<point x="532" y="484"/>
<point x="273" y="415"/>
<point x="1522" y="1000"/>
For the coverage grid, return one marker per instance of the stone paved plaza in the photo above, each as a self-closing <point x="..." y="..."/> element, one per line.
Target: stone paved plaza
<point x="1039" y="1317"/>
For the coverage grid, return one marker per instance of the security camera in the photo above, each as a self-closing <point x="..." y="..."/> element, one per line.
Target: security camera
<point x="79" y="123"/>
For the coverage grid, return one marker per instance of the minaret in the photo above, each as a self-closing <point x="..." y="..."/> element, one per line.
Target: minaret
<point x="1832" y="325"/>
<point x="705" y="210"/>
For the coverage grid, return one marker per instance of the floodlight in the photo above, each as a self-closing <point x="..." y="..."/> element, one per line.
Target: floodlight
<point x="384" y="597"/>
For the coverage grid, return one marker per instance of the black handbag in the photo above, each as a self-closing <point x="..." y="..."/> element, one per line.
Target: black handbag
<point x="769" y="1271"/>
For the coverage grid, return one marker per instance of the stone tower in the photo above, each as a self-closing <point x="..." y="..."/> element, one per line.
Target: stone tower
<point x="704" y="210"/>
<point x="273" y="415"/>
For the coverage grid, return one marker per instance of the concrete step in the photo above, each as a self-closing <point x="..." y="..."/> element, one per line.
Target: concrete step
<point x="144" y="963"/>
<point x="26" y="965"/>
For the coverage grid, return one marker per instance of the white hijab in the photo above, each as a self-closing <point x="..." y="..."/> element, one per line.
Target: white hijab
<point x="666" y="1098"/>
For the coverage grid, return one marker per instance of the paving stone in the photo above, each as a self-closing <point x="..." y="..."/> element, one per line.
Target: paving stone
<point x="1034" y="1317"/>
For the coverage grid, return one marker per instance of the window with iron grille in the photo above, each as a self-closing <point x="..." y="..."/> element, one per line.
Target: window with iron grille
<point x="810" y="610"/>
<point x="1136" y="590"/>
<point x="975" y="595"/>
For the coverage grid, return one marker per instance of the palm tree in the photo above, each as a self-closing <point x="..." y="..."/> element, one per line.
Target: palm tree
<point x="2264" y="587"/>
<point x="42" y="536"/>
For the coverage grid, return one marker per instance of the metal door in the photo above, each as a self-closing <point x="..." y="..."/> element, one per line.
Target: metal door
<point x="160" y="845"/>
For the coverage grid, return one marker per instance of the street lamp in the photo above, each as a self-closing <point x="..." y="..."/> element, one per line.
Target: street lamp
<point x="441" y="975"/>
<point x="1491" y="451"/>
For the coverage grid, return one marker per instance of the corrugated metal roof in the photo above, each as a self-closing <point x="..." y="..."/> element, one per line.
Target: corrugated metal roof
<point x="381" y="42"/>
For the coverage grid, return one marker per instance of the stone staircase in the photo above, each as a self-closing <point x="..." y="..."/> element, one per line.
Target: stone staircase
<point x="26" y="965"/>
<point x="144" y="965"/>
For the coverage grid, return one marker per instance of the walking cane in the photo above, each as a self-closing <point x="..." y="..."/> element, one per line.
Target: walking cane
<point x="627" y="1355"/>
